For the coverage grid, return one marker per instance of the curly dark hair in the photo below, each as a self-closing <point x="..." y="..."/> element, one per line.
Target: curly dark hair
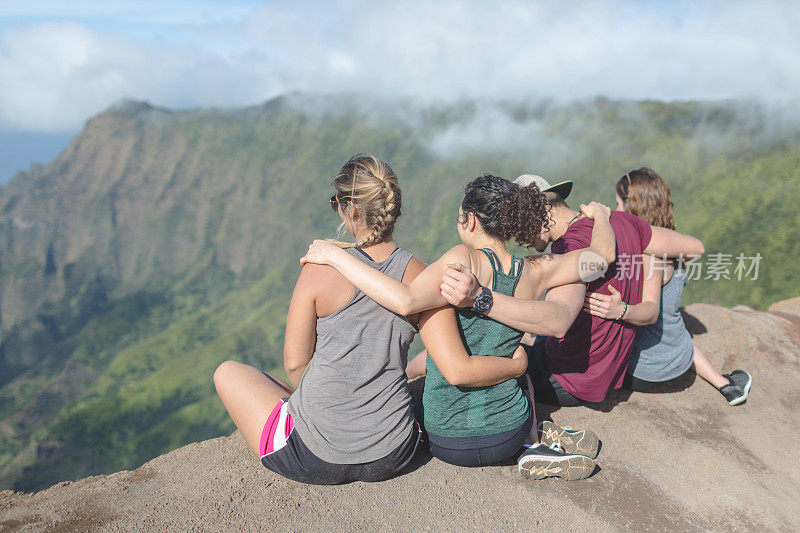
<point x="506" y="210"/>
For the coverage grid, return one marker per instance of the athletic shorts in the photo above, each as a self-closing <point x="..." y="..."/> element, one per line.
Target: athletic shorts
<point x="480" y="451"/>
<point x="285" y="453"/>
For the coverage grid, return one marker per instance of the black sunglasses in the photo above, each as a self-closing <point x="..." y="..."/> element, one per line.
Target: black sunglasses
<point x="335" y="202"/>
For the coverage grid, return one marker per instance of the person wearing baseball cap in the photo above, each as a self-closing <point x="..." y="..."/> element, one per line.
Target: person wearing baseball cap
<point x="577" y="357"/>
<point x="562" y="189"/>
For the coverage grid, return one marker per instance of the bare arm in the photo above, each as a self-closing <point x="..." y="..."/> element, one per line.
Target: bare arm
<point x="551" y="317"/>
<point x="301" y="326"/>
<point x="579" y="265"/>
<point x="421" y="294"/>
<point x="613" y="307"/>
<point x="668" y="243"/>
<point x="445" y="347"/>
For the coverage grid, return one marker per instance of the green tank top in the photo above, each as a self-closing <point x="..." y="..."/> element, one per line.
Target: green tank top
<point x="451" y="411"/>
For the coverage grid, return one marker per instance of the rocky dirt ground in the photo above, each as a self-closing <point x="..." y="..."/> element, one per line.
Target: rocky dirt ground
<point x="677" y="459"/>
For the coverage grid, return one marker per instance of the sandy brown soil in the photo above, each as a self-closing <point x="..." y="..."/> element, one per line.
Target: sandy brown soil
<point x="674" y="460"/>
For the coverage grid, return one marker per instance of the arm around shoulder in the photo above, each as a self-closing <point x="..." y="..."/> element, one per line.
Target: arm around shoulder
<point x="552" y="317"/>
<point x="669" y="243"/>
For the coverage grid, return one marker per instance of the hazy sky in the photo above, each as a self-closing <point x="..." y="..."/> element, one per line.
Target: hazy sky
<point x="61" y="62"/>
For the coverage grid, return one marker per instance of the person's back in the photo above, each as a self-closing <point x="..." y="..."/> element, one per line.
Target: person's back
<point x="452" y="411"/>
<point x="592" y="357"/>
<point x="345" y="354"/>
<point x="352" y="404"/>
<point x="663" y="350"/>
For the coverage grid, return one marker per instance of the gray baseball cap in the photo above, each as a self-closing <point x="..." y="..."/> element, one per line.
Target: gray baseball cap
<point x="562" y="189"/>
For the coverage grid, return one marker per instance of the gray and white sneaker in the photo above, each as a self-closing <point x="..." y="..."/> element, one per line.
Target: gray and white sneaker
<point x="738" y="388"/>
<point x="582" y="441"/>
<point x="541" y="461"/>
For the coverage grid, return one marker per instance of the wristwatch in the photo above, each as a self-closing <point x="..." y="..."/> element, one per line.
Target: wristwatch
<point x="483" y="302"/>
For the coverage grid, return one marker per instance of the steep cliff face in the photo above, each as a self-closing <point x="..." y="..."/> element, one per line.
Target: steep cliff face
<point x="161" y="243"/>
<point x="676" y="460"/>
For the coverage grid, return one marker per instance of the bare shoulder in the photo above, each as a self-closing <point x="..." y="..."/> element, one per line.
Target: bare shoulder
<point x="413" y="269"/>
<point x="459" y="253"/>
<point x="539" y="262"/>
<point x="532" y="276"/>
<point x="536" y="260"/>
<point x="319" y="277"/>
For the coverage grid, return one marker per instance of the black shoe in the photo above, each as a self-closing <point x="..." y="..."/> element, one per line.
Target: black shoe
<point x="738" y="388"/>
<point x="541" y="461"/>
<point x="582" y="441"/>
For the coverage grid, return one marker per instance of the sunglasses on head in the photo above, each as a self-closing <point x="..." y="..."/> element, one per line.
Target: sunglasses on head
<point x="335" y="202"/>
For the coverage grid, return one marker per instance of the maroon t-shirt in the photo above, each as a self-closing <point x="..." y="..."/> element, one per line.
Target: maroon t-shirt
<point x="592" y="357"/>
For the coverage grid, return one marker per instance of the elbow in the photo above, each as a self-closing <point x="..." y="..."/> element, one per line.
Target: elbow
<point x="700" y="248"/>
<point x="456" y="380"/>
<point x="609" y="255"/>
<point x="455" y="377"/>
<point x="405" y="306"/>
<point x="559" y="332"/>
<point x="557" y="329"/>
<point x="652" y="316"/>
<point x="562" y="327"/>
<point x="292" y="366"/>
<point x="696" y="250"/>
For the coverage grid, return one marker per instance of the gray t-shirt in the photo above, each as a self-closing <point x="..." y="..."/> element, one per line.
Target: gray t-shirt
<point x="664" y="350"/>
<point x="352" y="404"/>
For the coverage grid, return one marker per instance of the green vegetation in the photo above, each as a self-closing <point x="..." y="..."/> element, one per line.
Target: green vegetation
<point x="163" y="243"/>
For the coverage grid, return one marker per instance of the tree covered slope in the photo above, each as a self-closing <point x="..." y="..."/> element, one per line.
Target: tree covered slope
<point x="161" y="243"/>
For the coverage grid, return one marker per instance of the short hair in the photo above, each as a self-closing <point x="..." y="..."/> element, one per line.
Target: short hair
<point x="553" y="200"/>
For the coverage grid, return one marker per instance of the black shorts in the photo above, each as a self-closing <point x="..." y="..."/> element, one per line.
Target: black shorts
<point x="546" y="387"/>
<point x="296" y="462"/>
<point x="480" y="451"/>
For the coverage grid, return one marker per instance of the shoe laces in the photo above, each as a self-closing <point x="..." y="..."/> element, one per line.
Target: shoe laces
<point x="556" y="447"/>
<point x="540" y="425"/>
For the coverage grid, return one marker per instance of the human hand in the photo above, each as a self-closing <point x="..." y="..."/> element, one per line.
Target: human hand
<point x="459" y="286"/>
<point x="321" y="252"/>
<point x="595" y="210"/>
<point x="521" y="358"/>
<point x="603" y="305"/>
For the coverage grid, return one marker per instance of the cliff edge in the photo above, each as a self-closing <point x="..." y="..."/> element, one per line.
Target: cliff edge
<point x="678" y="459"/>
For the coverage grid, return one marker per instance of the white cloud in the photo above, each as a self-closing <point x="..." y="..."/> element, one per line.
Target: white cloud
<point x="54" y="75"/>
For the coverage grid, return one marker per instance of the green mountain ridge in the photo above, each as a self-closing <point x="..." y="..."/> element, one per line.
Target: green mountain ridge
<point x="161" y="243"/>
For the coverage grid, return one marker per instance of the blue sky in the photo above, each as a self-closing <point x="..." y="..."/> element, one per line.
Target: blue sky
<point x="62" y="62"/>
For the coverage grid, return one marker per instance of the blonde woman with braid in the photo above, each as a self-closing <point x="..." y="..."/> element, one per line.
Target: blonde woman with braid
<point x="349" y="417"/>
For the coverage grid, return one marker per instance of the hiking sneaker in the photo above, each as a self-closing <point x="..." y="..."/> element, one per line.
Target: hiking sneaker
<point x="738" y="388"/>
<point x="541" y="461"/>
<point x="582" y="441"/>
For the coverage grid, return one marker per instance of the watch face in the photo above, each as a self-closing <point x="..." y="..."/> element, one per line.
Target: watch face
<point x="483" y="301"/>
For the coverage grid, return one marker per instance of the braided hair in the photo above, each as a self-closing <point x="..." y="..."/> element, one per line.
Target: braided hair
<point x="371" y="185"/>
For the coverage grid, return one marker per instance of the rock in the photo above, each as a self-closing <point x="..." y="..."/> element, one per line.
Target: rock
<point x="678" y="459"/>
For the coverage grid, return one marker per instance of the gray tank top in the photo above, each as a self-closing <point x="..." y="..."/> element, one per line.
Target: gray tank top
<point x="352" y="404"/>
<point x="664" y="350"/>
